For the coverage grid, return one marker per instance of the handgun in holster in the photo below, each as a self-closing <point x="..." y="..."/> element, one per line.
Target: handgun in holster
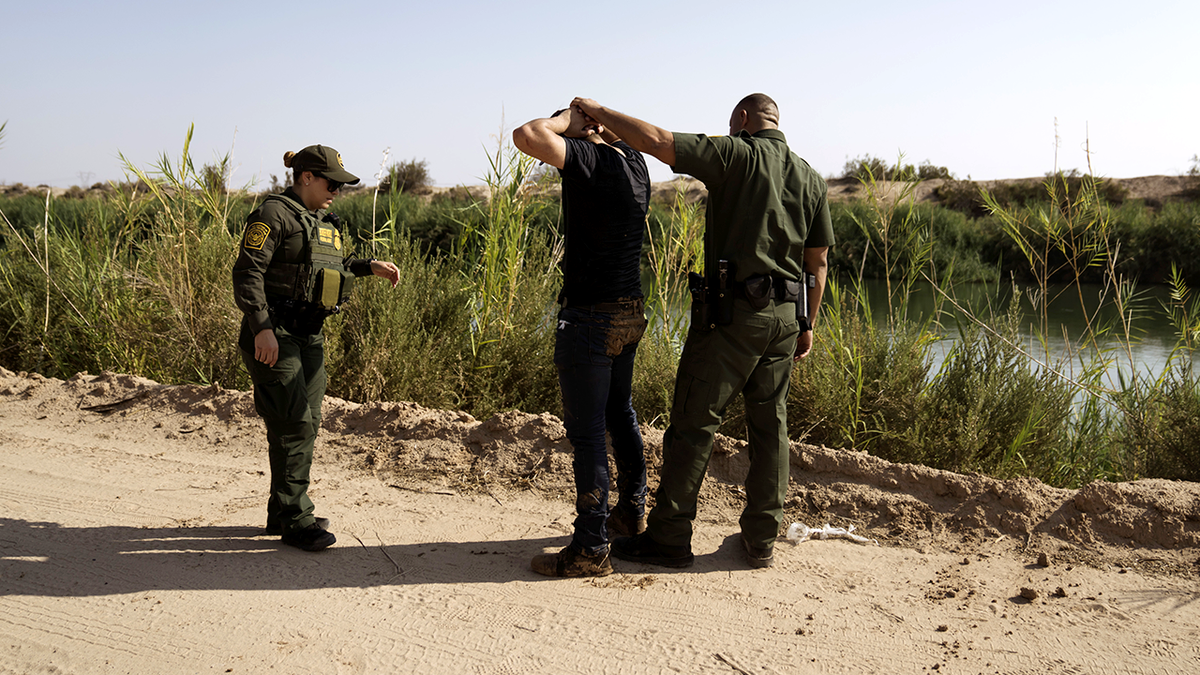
<point x="712" y="297"/>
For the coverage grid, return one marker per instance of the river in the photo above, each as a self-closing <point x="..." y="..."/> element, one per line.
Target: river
<point x="1153" y="337"/>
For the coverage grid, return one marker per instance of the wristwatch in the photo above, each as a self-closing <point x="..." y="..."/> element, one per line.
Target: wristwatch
<point x="805" y="326"/>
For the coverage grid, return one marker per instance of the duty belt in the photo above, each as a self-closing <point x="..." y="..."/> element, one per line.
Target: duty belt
<point x="778" y="289"/>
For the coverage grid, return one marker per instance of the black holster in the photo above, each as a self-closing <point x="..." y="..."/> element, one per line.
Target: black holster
<point x="759" y="290"/>
<point x="712" y="297"/>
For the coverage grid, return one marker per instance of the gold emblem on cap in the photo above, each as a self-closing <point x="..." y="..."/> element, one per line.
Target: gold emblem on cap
<point x="256" y="236"/>
<point x="340" y="160"/>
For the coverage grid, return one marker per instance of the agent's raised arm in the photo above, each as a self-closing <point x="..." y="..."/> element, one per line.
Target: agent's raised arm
<point x="640" y="135"/>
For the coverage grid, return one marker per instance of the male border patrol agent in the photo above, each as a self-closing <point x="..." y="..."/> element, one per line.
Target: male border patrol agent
<point x="767" y="237"/>
<point x="292" y="273"/>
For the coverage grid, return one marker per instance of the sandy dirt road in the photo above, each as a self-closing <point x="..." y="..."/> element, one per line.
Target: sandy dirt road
<point x="130" y="542"/>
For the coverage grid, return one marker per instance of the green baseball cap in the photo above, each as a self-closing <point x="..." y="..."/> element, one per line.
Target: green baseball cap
<point x="323" y="161"/>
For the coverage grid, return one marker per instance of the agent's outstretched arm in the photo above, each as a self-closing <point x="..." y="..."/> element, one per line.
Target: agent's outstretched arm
<point x="640" y="135"/>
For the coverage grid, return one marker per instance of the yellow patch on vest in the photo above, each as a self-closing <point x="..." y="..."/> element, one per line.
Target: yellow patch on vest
<point x="337" y="240"/>
<point x="325" y="235"/>
<point x="256" y="236"/>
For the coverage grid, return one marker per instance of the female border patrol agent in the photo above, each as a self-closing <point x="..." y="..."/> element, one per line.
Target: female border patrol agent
<point x="291" y="273"/>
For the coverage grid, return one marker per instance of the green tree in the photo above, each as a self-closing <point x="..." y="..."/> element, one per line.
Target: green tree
<point x="406" y="176"/>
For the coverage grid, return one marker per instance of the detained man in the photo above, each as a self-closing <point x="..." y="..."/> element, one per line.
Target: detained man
<point x="601" y="319"/>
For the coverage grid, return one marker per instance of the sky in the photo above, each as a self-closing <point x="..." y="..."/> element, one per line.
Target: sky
<point x="988" y="90"/>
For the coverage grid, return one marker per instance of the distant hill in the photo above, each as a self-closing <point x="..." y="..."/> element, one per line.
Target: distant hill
<point x="1154" y="190"/>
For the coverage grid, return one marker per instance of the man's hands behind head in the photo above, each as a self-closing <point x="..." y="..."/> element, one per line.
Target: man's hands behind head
<point x="585" y="105"/>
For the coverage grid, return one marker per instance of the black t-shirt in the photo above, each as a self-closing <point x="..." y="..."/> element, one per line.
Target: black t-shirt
<point x="605" y="194"/>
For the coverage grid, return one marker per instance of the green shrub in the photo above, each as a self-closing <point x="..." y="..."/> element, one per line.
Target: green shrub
<point x="991" y="409"/>
<point x="654" y="379"/>
<point x="1160" y="423"/>
<point x="865" y="168"/>
<point x="1154" y="242"/>
<point x="406" y="176"/>
<point x="413" y="343"/>
<point x="861" y="385"/>
<point x="868" y="168"/>
<point x="958" y="243"/>
<point x="1061" y="188"/>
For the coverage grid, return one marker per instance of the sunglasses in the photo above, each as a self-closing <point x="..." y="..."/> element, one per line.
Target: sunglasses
<point x="333" y="185"/>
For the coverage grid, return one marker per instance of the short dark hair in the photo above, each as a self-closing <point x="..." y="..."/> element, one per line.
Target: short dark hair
<point x="762" y="105"/>
<point x="558" y="112"/>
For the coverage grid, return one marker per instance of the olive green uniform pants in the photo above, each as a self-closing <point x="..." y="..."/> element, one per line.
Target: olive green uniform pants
<point x="752" y="355"/>
<point x="288" y="397"/>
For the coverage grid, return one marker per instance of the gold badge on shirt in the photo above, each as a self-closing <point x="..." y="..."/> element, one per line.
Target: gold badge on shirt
<point x="256" y="236"/>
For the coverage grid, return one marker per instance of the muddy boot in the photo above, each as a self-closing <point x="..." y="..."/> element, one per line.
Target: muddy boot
<point x="622" y="523"/>
<point x="571" y="563"/>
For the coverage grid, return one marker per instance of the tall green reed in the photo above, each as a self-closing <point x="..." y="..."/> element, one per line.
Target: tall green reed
<point x="1160" y="415"/>
<point x="139" y="283"/>
<point x="1110" y="427"/>
<point x="185" y="260"/>
<point x="674" y="247"/>
<point x="673" y="252"/>
<point x="1159" y="424"/>
<point x="18" y="302"/>
<point x="862" y="386"/>
<point x="513" y="275"/>
<point x="899" y="235"/>
<point x="393" y="195"/>
<point x="1070" y="234"/>
<point x="989" y="408"/>
<point x="499" y="248"/>
<point x="993" y="405"/>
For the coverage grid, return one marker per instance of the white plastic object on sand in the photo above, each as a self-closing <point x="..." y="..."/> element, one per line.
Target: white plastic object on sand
<point x="799" y="532"/>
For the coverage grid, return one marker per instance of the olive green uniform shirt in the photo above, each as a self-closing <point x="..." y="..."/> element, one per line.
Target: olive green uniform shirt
<point x="275" y="232"/>
<point x="765" y="204"/>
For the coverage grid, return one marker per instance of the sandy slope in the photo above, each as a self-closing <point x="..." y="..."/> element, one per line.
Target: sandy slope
<point x="129" y="543"/>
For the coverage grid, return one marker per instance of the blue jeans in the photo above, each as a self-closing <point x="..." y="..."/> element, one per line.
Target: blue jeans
<point x="594" y="351"/>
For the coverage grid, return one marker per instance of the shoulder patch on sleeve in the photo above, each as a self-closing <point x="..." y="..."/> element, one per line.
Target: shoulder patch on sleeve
<point x="256" y="236"/>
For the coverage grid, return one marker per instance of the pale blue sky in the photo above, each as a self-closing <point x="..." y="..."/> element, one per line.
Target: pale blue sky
<point x="976" y="87"/>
